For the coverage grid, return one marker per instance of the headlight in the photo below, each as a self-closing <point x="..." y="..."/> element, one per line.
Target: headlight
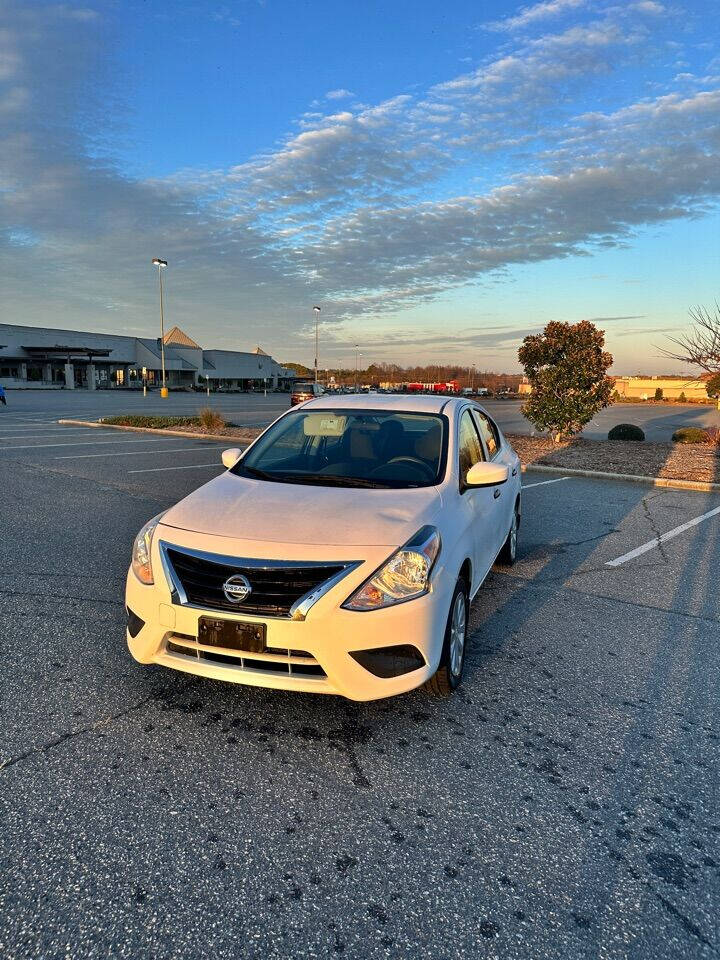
<point x="403" y="577"/>
<point x="142" y="567"/>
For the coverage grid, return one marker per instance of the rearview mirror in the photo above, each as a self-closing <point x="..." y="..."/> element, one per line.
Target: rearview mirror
<point x="230" y="457"/>
<point x="486" y="475"/>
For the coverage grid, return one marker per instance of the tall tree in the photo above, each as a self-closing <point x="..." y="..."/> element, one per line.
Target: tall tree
<point x="566" y="367"/>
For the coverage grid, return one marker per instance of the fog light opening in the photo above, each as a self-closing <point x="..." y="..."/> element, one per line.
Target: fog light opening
<point x="387" y="662"/>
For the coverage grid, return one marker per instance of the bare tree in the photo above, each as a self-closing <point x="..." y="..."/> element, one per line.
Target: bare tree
<point x="702" y="345"/>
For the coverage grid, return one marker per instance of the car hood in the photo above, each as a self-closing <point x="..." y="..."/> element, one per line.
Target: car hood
<point x="248" y="509"/>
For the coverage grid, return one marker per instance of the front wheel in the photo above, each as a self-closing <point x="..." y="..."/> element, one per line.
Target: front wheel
<point x="508" y="553"/>
<point x="452" y="660"/>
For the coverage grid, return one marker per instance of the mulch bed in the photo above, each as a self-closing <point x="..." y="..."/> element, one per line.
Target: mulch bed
<point x="674" y="461"/>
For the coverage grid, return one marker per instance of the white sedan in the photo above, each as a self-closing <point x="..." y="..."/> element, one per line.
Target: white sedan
<point x="338" y="554"/>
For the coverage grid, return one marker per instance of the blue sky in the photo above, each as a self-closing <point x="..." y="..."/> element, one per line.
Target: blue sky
<point x="441" y="178"/>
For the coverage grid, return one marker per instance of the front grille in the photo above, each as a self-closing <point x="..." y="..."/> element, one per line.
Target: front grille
<point x="274" y="588"/>
<point x="280" y="661"/>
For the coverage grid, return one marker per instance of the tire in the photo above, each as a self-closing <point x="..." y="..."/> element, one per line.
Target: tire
<point x="452" y="659"/>
<point x="508" y="552"/>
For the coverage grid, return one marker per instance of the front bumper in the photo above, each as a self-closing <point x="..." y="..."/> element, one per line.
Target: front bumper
<point x="311" y="655"/>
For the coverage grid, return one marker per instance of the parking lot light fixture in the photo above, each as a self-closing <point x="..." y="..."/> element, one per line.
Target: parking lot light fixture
<point x="316" y="311"/>
<point x="157" y="262"/>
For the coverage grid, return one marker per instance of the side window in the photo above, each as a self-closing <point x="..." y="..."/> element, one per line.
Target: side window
<point x="469" y="447"/>
<point x="488" y="431"/>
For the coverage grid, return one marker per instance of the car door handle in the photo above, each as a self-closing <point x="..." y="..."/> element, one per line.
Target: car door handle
<point x="496" y="492"/>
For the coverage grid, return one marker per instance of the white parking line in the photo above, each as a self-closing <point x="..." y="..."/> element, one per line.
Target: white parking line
<point x="45" y="425"/>
<point x="47" y="436"/>
<point x="78" y="443"/>
<point x="192" y="466"/>
<point x="541" y="483"/>
<point x="130" y="453"/>
<point x="50" y="425"/>
<point x="675" y="532"/>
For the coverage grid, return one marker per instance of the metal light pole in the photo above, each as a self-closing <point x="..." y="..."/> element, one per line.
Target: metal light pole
<point x="157" y="262"/>
<point x="316" y="311"/>
<point x="357" y="358"/>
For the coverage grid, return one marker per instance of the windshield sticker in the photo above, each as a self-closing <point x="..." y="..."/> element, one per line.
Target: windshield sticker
<point x="323" y="425"/>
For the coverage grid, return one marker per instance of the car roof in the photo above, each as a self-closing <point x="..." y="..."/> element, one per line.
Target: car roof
<point x="407" y="402"/>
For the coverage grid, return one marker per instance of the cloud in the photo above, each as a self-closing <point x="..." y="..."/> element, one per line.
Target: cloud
<point x="642" y="331"/>
<point x="634" y="316"/>
<point x="529" y="16"/>
<point x="537" y="218"/>
<point x="534" y="156"/>
<point x="648" y="6"/>
<point x="336" y="158"/>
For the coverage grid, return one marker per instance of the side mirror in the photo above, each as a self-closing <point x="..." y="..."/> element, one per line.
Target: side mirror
<point x="230" y="457"/>
<point x="486" y="475"/>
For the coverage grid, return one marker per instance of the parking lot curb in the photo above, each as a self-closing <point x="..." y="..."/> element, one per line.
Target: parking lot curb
<point x="164" y="433"/>
<point x="652" y="481"/>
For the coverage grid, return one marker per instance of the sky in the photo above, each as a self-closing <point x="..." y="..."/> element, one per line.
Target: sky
<point x="441" y="179"/>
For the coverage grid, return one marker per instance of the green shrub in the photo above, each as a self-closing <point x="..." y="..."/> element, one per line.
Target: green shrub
<point x="207" y="417"/>
<point x="681" y="397"/>
<point x="658" y="393"/>
<point x="690" y="435"/>
<point x="713" y="386"/>
<point x="626" y="431"/>
<point x="155" y="423"/>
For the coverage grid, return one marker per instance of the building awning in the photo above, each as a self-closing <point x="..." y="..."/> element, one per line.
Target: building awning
<point x="56" y="351"/>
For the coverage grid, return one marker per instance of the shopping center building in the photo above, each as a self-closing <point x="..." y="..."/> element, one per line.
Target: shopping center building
<point x="42" y="357"/>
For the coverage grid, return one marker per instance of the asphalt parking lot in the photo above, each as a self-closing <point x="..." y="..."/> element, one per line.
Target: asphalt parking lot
<point x="564" y="803"/>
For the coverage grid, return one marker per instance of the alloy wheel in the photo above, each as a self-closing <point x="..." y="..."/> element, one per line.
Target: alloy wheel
<point x="457" y="634"/>
<point x="513" y="535"/>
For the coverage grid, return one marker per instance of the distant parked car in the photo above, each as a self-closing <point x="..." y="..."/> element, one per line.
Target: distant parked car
<point x="305" y="391"/>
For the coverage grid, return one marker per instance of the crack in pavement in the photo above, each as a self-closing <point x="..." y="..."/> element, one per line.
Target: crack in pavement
<point x="654" y="527"/>
<point x="577" y="543"/>
<point x="687" y="924"/>
<point x="73" y="734"/>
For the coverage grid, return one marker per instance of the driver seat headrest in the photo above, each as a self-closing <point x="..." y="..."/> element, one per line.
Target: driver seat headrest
<point x="360" y="446"/>
<point x="427" y="446"/>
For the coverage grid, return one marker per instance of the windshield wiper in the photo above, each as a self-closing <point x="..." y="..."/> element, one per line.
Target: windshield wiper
<point x="326" y="479"/>
<point x="259" y="474"/>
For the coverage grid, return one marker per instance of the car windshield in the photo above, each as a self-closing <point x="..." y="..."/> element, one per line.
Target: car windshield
<point x="350" y="448"/>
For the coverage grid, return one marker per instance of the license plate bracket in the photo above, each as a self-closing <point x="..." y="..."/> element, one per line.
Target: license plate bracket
<point x="232" y="634"/>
